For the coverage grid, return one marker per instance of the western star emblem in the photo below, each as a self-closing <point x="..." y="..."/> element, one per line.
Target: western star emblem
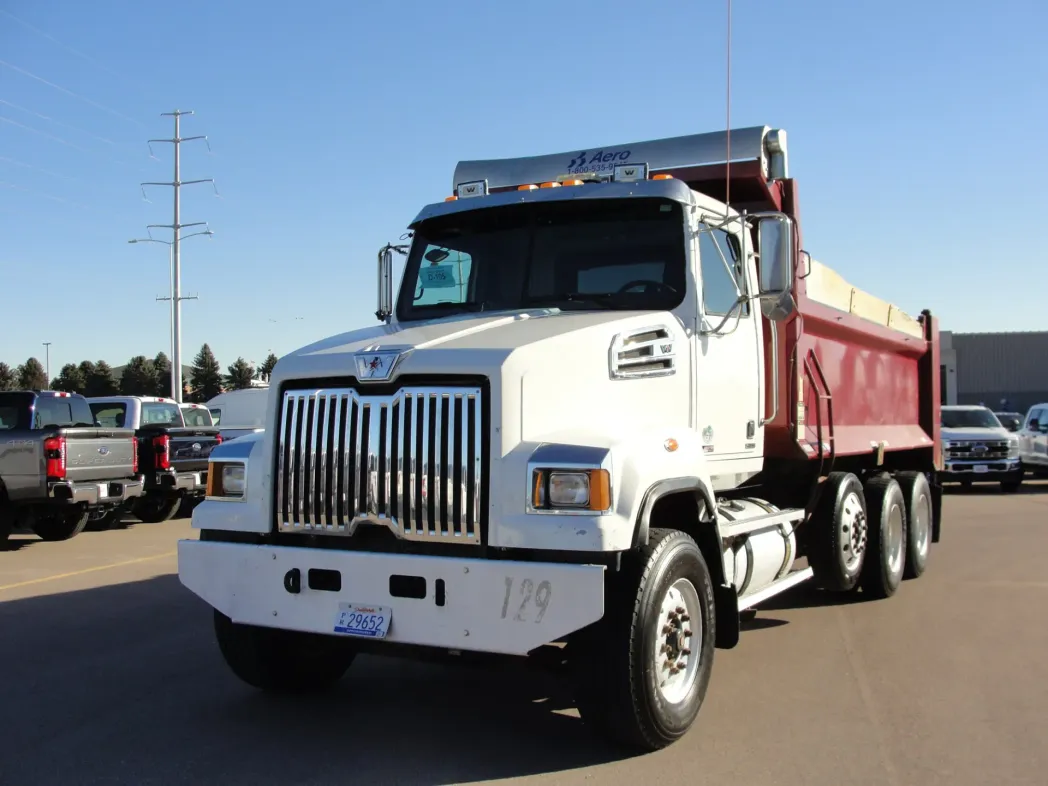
<point x="376" y="364"/>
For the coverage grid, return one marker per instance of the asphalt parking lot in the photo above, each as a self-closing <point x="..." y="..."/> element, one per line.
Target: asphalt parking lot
<point x="111" y="675"/>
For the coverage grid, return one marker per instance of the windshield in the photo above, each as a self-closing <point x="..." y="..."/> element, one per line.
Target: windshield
<point x="969" y="418"/>
<point x="196" y="417"/>
<point x="583" y="254"/>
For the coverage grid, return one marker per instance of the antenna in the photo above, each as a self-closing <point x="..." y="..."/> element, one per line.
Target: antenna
<point x="727" y="122"/>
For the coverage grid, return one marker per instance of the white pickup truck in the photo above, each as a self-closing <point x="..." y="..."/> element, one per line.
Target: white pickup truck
<point x="606" y="412"/>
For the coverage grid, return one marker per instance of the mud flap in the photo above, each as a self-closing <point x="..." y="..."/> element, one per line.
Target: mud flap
<point x="936" y="489"/>
<point x="727" y="604"/>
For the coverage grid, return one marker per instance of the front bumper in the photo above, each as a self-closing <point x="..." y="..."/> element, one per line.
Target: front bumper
<point x="981" y="471"/>
<point x="488" y="605"/>
<point x="103" y="492"/>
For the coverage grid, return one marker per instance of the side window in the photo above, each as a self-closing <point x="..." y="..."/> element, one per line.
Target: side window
<point x="216" y="416"/>
<point x="443" y="277"/>
<point x="721" y="283"/>
<point x="110" y="415"/>
<point x="52" y="412"/>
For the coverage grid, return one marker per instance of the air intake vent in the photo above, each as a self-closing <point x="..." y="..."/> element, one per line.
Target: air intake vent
<point x="647" y="352"/>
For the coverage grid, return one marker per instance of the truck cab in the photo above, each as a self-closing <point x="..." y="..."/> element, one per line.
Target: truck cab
<point x="1033" y="440"/>
<point x="611" y="406"/>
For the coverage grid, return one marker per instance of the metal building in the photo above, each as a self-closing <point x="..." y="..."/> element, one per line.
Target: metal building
<point x="988" y="367"/>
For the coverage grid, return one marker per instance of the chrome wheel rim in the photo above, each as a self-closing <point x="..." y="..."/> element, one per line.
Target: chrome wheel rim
<point x="894" y="538"/>
<point x="678" y="641"/>
<point x="853" y="532"/>
<point x="922" y="529"/>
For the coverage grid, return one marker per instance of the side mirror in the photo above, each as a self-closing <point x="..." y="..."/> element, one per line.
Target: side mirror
<point x="1034" y="424"/>
<point x="385" y="285"/>
<point x="775" y="236"/>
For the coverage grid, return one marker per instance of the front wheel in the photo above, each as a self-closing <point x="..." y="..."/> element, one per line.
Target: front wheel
<point x="281" y="661"/>
<point x="61" y="525"/>
<point x="641" y="673"/>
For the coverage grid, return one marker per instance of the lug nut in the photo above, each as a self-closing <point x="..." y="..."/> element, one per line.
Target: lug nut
<point x="687" y="632"/>
<point x="667" y="630"/>
<point x="685" y="651"/>
<point x="685" y="618"/>
<point x="681" y="609"/>
<point x="681" y="665"/>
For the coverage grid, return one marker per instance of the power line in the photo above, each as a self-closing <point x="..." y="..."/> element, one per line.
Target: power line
<point x="176" y="233"/>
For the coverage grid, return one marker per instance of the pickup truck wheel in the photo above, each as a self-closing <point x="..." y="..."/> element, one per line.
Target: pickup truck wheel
<point x="281" y="661"/>
<point x="62" y="525"/>
<point x="154" y="510"/>
<point x="836" y="542"/>
<point x="1012" y="486"/>
<point x="886" y="559"/>
<point x="918" y="496"/>
<point x="641" y="673"/>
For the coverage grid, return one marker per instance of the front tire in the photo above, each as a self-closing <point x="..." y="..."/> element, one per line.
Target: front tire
<point x="61" y="525"/>
<point x="641" y="673"/>
<point x="281" y="661"/>
<point x="886" y="560"/>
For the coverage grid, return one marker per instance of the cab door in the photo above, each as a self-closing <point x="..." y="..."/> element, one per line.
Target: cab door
<point x="729" y="363"/>
<point x="1033" y="444"/>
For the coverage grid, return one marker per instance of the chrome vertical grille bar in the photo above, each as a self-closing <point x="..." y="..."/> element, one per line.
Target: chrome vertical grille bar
<point x="399" y="461"/>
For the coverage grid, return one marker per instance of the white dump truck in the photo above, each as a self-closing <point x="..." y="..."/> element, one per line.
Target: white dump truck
<point x="606" y="412"/>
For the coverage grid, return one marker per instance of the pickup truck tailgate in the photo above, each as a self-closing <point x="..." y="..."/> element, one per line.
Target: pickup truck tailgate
<point x="191" y="448"/>
<point x="99" y="453"/>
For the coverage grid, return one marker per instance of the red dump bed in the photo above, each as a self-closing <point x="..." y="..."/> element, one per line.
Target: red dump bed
<point x="856" y="375"/>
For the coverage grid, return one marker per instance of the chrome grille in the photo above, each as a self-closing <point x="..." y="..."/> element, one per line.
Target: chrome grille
<point x="410" y="461"/>
<point x="971" y="450"/>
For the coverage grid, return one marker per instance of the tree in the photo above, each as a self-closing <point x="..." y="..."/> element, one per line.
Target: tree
<point x="206" y="377"/>
<point x="138" y="377"/>
<point x="240" y="375"/>
<point x="162" y="367"/>
<point x="100" y="381"/>
<point x="7" y="377"/>
<point x="31" y="375"/>
<point x="265" y="371"/>
<point x="70" y="379"/>
<point x="87" y="368"/>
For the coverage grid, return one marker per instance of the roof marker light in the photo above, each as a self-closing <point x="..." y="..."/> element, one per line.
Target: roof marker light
<point x="450" y="198"/>
<point x="662" y="176"/>
<point x="630" y="173"/>
<point x="473" y="188"/>
<point x="550" y="184"/>
<point x="528" y="187"/>
<point x="572" y="182"/>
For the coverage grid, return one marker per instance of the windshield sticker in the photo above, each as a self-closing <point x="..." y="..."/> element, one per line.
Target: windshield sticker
<point x="438" y="277"/>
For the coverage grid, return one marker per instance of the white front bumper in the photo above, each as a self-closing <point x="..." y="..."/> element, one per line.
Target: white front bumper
<point x="490" y="605"/>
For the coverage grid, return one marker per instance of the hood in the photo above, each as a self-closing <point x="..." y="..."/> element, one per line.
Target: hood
<point x="970" y="433"/>
<point x="490" y="340"/>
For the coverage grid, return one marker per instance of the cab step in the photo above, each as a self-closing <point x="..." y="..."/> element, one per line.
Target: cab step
<point x="751" y="599"/>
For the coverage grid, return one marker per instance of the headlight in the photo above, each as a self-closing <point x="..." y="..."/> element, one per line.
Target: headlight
<point x="226" y="480"/>
<point x="1013" y="448"/>
<point x="568" y="489"/>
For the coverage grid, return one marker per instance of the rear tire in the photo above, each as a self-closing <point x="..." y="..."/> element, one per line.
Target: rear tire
<point x="61" y="525"/>
<point x="918" y="496"/>
<point x="837" y="540"/>
<point x="886" y="556"/>
<point x="642" y="671"/>
<point x="282" y="661"/>
<point x="154" y="510"/>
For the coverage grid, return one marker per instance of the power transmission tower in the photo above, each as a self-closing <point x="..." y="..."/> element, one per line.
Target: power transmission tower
<point x="176" y="228"/>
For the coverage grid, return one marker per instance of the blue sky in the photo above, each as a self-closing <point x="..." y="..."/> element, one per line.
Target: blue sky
<point x="915" y="131"/>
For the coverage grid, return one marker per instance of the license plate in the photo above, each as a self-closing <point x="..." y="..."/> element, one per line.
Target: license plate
<point x="979" y="469"/>
<point x="103" y="490"/>
<point x="360" y="620"/>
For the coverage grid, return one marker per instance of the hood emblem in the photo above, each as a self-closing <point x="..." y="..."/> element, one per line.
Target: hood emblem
<point x="376" y="365"/>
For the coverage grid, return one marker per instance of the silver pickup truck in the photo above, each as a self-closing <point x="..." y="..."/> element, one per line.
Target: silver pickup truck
<point x="57" y="467"/>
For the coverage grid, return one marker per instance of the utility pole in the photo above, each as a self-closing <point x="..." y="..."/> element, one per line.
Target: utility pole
<point x="47" y="349"/>
<point x="176" y="231"/>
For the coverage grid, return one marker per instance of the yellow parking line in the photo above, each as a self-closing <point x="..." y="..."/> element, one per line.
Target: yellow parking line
<point x="86" y="570"/>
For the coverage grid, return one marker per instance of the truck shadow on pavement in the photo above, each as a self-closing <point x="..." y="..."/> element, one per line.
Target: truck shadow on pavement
<point x="127" y="682"/>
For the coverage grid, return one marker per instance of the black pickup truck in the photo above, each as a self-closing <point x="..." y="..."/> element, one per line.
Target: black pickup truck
<point x="172" y="457"/>
<point x="57" y="467"/>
